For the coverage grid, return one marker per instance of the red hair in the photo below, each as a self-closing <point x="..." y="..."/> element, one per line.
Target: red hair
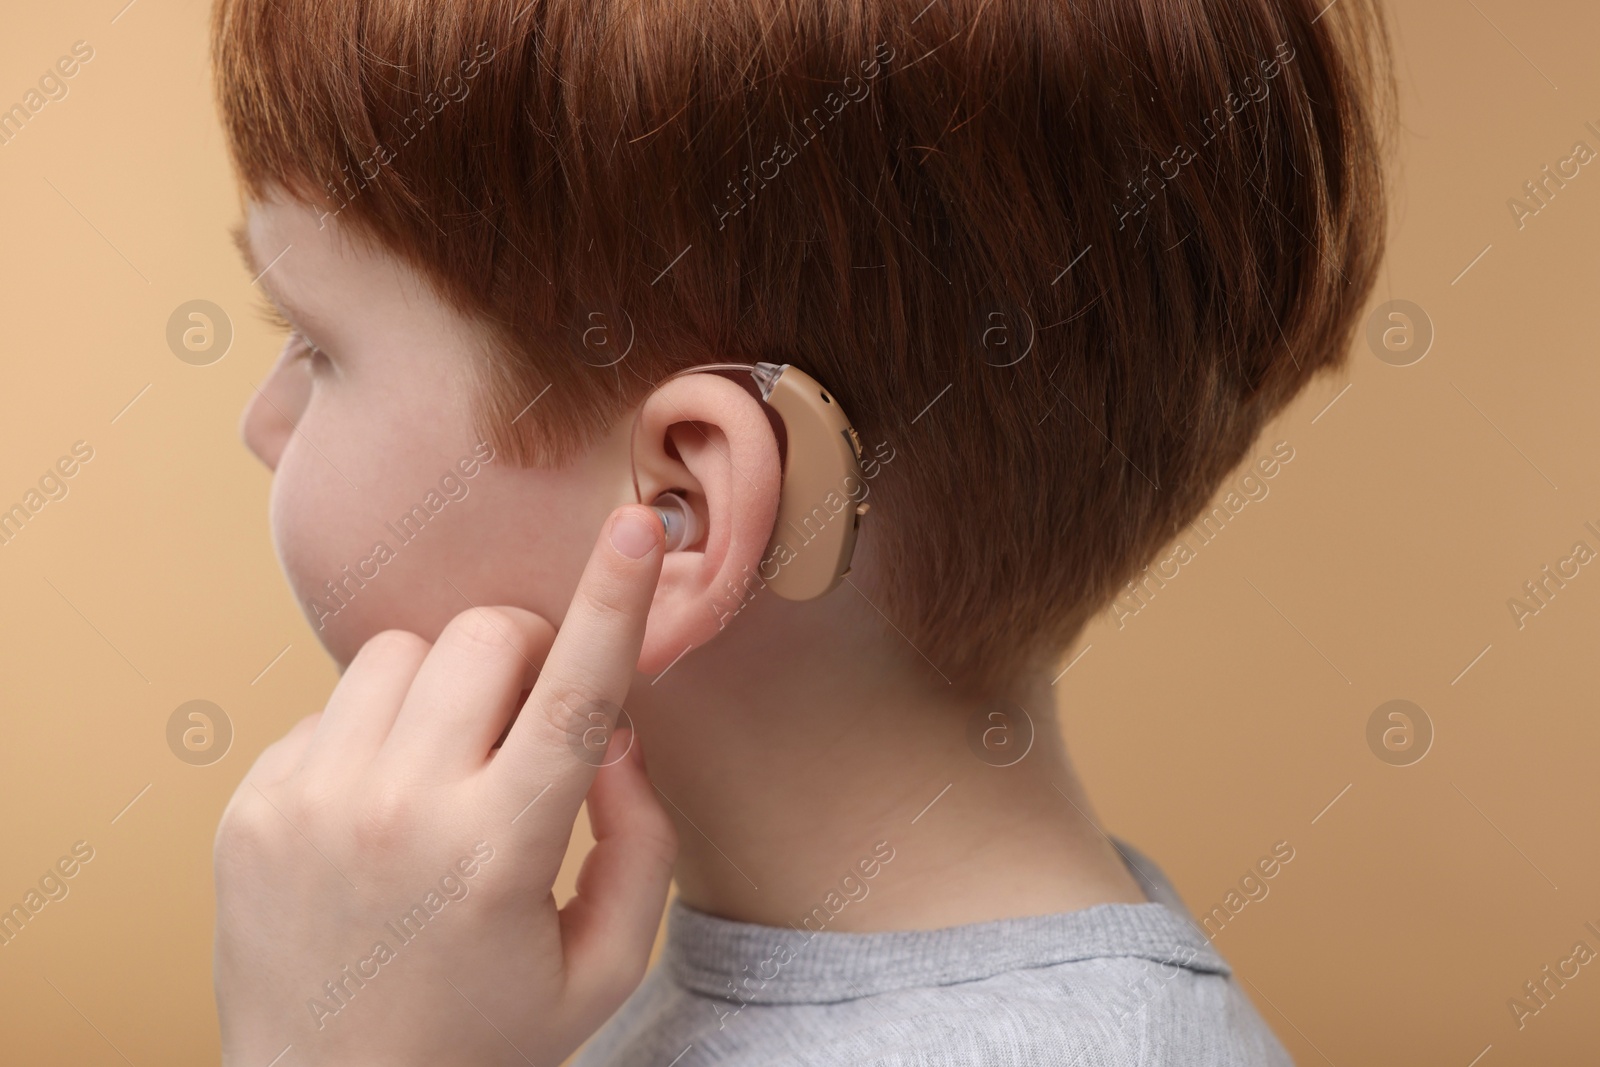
<point x="1171" y="212"/>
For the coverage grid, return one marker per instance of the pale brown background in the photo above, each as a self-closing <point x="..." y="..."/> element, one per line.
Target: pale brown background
<point x="1223" y="718"/>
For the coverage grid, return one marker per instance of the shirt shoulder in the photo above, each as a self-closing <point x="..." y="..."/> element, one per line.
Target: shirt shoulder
<point x="1112" y="985"/>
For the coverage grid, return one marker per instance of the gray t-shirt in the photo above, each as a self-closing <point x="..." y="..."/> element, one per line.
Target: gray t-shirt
<point x="1104" y="986"/>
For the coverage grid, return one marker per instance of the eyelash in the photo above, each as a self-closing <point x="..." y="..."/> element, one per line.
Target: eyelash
<point x="270" y="314"/>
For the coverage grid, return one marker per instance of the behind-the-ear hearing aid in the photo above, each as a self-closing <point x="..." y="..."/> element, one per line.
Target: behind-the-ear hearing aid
<point x="823" y="492"/>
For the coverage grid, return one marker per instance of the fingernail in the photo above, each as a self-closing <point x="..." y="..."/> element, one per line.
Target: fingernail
<point x="632" y="536"/>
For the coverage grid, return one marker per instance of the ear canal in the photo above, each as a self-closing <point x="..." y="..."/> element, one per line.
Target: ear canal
<point x="679" y="519"/>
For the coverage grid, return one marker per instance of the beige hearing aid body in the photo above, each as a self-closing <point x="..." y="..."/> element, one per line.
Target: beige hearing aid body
<point x="823" y="493"/>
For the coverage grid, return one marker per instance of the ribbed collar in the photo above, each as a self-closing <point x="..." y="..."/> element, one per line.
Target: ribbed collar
<point x="761" y="964"/>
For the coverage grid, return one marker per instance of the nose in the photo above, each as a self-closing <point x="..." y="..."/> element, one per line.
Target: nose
<point x="275" y="406"/>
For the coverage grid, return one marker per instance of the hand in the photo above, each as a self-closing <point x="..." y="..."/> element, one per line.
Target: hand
<point x="384" y="872"/>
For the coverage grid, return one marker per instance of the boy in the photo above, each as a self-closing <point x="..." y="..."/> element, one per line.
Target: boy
<point x="1059" y="264"/>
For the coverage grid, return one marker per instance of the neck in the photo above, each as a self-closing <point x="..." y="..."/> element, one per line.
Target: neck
<point x="805" y="772"/>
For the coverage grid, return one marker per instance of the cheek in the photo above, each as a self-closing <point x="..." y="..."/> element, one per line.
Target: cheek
<point x="530" y="538"/>
<point x="362" y="542"/>
<point x="319" y="528"/>
<point x="392" y="556"/>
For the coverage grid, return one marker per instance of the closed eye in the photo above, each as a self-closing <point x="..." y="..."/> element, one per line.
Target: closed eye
<point x="301" y="345"/>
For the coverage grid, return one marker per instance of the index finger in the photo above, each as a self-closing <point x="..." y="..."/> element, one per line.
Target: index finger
<point x="548" y="754"/>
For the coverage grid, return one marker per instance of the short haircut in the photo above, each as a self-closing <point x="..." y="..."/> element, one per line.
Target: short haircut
<point x="1065" y="259"/>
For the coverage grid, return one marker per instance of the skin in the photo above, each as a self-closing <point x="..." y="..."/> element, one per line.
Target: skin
<point x="383" y="872"/>
<point x="786" y="745"/>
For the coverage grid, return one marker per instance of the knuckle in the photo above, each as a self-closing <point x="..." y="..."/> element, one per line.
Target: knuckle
<point x="313" y="804"/>
<point x="248" y="829"/>
<point x="609" y="603"/>
<point x="277" y="760"/>
<point x="576" y="711"/>
<point x="386" y="816"/>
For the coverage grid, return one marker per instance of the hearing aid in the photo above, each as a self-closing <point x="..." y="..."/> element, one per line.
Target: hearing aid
<point x="679" y="520"/>
<point x="822" y="495"/>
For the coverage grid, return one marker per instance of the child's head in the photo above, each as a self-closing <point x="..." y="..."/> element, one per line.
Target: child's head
<point x="1060" y="264"/>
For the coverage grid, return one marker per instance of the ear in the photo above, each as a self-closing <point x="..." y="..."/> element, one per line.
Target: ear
<point x="709" y="439"/>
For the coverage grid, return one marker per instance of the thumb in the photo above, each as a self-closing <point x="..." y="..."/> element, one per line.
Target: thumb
<point x="609" y="928"/>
